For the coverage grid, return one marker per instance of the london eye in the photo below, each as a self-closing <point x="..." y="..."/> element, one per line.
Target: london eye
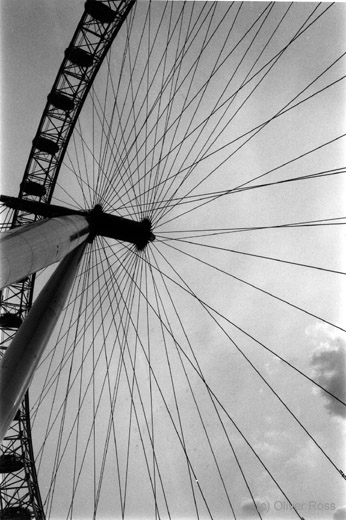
<point x="182" y="201"/>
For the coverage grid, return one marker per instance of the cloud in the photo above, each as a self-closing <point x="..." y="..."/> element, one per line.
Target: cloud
<point x="249" y="510"/>
<point x="267" y="449"/>
<point x="340" y="513"/>
<point x="329" y="362"/>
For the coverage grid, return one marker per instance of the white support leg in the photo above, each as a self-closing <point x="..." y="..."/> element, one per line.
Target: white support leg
<point x="23" y="355"/>
<point x="27" y="249"/>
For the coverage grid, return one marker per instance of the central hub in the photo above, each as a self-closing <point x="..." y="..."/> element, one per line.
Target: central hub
<point x="119" y="228"/>
<point x="101" y="223"/>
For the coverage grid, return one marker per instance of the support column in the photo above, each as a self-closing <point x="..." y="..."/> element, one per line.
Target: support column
<point x="27" y="249"/>
<point x="23" y="355"/>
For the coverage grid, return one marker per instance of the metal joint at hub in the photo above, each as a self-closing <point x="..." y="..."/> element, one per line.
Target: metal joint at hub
<point x="119" y="228"/>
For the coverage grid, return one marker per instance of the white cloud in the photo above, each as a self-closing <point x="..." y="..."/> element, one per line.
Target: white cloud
<point x="329" y="362"/>
<point x="320" y="331"/>
<point x="267" y="449"/>
<point x="340" y="513"/>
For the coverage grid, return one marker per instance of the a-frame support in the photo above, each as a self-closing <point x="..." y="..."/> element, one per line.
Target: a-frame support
<point x="27" y="249"/>
<point x="24" y="353"/>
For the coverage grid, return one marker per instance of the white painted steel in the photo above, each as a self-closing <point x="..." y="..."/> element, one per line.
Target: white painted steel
<point x="23" y="355"/>
<point x="27" y="249"/>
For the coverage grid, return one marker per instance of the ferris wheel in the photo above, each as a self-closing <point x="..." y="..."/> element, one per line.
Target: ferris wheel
<point x="187" y="174"/>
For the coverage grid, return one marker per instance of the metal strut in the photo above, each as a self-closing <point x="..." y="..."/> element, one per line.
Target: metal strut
<point x="23" y="355"/>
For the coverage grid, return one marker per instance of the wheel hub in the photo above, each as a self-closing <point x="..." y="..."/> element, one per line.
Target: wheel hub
<point x="101" y="223"/>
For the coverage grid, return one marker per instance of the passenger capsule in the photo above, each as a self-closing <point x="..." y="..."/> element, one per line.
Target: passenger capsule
<point x="33" y="188"/>
<point x="10" y="463"/>
<point x="8" y="320"/>
<point x="100" y="11"/>
<point x="61" y="101"/>
<point x="46" y="145"/>
<point x="79" y="57"/>
<point x="15" y="513"/>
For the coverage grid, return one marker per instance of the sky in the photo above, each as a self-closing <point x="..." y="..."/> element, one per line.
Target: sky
<point x="34" y="36"/>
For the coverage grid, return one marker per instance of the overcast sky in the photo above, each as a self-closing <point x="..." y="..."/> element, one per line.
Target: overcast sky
<point x="35" y="34"/>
